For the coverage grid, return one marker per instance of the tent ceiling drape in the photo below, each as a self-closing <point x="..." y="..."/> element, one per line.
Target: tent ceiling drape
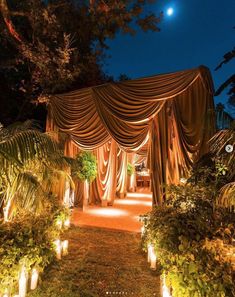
<point x="170" y="110"/>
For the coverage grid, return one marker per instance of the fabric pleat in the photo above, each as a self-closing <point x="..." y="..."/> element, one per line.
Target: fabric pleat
<point x="168" y="118"/>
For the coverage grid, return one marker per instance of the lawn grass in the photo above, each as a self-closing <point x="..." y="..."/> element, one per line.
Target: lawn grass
<point x="100" y="262"/>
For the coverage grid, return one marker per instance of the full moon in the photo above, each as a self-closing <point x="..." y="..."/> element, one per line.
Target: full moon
<point x="170" y="11"/>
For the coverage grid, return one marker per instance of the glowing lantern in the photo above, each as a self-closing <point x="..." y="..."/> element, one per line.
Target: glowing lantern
<point x="58" y="248"/>
<point x="165" y="290"/>
<point x="150" y="251"/>
<point x="142" y="231"/>
<point x="153" y="260"/>
<point x="65" y="245"/>
<point x="23" y="282"/>
<point x="34" y="279"/>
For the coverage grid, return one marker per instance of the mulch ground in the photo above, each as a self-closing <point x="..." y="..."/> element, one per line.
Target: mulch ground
<point x="101" y="262"/>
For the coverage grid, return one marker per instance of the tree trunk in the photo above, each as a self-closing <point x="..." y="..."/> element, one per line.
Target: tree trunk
<point x="85" y="194"/>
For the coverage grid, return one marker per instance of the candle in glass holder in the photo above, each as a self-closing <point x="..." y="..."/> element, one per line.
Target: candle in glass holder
<point x="153" y="260"/>
<point x="5" y="294"/>
<point x="165" y="290"/>
<point x="65" y="245"/>
<point x="34" y="279"/>
<point x="67" y="223"/>
<point x="142" y="231"/>
<point x="150" y="250"/>
<point x="23" y="283"/>
<point x="58" y="248"/>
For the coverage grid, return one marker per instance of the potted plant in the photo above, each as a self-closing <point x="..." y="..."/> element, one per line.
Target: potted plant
<point x="86" y="170"/>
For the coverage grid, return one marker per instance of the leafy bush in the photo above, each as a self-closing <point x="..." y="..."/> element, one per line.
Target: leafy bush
<point x="28" y="241"/>
<point x="85" y="167"/>
<point x="194" y="243"/>
<point x="130" y="169"/>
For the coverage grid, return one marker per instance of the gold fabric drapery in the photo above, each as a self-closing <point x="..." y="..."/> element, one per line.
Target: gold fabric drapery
<point x="173" y="108"/>
<point x="122" y="174"/>
<point x="104" y="186"/>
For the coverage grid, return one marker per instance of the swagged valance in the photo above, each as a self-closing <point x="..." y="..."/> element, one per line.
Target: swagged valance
<point x="170" y="115"/>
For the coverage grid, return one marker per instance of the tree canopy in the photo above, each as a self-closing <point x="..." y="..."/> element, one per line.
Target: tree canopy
<point x="57" y="45"/>
<point x="229" y="84"/>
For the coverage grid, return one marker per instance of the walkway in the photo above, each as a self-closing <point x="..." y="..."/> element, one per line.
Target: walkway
<point x="104" y="259"/>
<point x="100" y="263"/>
<point x="123" y="215"/>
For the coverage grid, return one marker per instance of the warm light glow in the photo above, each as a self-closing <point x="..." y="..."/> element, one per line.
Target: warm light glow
<point x="65" y="245"/>
<point x="153" y="260"/>
<point x="58" y="248"/>
<point x="183" y="180"/>
<point x="67" y="193"/>
<point x="139" y="195"/>
<point x="150" y="251"/>
<point x="59" y="224"/>
<point x="142" y="231"/>
<point x="5" y="295"/>
<point x="170" y="11"/>
<point x="107" y="212"/>
<point x="6" y="211"/>
<point x="165" y="290"/>
<point x="67" y="223"/>
<point x="133" y="202"/>
<point x="23" y="283"/>
<point x="34" y="279"/>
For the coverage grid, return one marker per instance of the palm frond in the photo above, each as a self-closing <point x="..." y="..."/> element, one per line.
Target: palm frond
<point x="226" y="197"/>
<point x="26" y="192"/>
<point x="27" y="145"/>
<point x="218" y="147"/>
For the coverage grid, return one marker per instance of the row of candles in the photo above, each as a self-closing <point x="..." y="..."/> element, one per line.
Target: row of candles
<point x="61" y="249"/>
<point x="152" y="259"/>
<point x="66" y="223"/>
<point x="23" y="282"/>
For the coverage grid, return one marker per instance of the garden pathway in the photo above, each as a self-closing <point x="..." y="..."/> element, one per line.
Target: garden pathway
<point x="123" y="215"/>
<point x="100" y="263"/>
<point x="105" y="256"/>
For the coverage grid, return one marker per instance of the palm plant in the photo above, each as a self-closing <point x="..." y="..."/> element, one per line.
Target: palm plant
<point x="30" y="162"/>
<point x="219" y="147"/>
<point x="226" y="197"/>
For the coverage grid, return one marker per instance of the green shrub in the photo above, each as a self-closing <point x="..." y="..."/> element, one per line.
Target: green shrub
<point x="192" y="240"/>
<point x="130" y="169"/>
<point x="27" y="241"/>
<point x="85" y="167"/>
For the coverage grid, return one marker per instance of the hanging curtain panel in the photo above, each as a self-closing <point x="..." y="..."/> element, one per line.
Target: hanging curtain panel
<point x="103" y="189"/>
<point x="172" y="113"/>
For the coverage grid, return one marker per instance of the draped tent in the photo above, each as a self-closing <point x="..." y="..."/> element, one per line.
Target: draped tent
<point x="169" y="116"/>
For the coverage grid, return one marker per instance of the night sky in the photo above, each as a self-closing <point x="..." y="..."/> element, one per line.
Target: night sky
<point x="199" y="32"/>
